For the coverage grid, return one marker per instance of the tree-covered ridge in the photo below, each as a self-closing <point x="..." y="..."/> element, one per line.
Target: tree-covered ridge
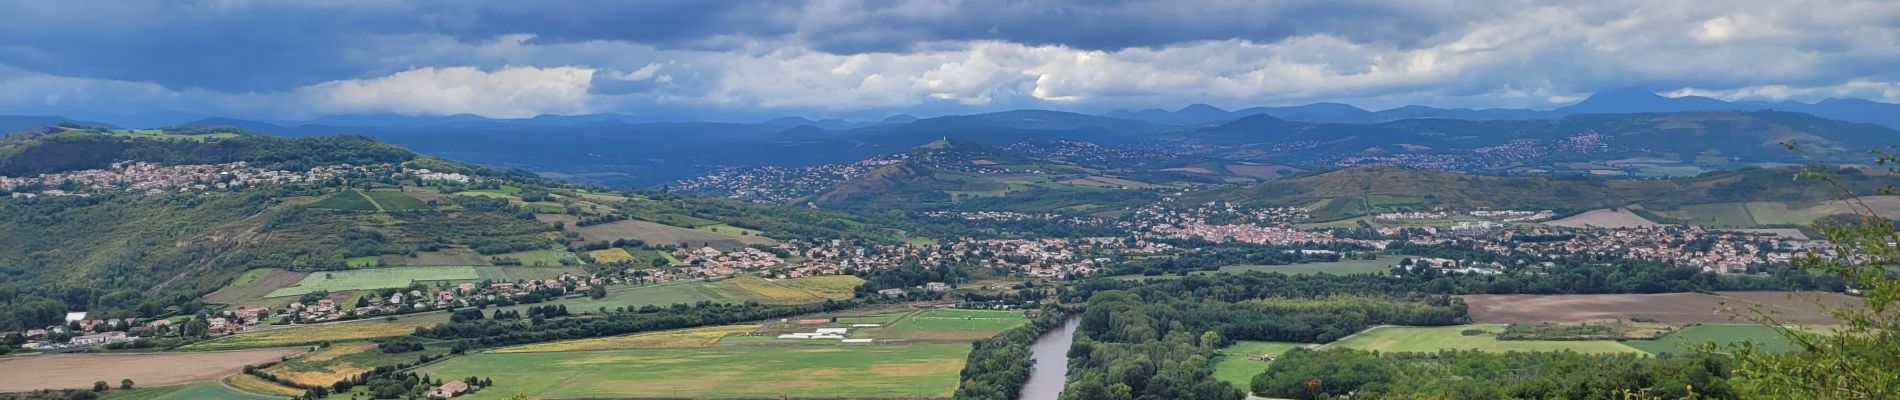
<point x="60" y="149"/>
<point x="1566" y="194"/>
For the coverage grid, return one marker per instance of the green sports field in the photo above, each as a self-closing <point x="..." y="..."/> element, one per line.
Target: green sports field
<point x="892" y="371"/>
<point x="374" y="278"/>
<point x="1235" y="366"/>
<point x="1433" y="339"/>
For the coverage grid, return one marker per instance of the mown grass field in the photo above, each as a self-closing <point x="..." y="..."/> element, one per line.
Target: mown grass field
<point x="374" y="278"/>
<point x="1236" y="366"/>
<point x="253" y="285"/>
<point x="835" y="287"/>
<point x="678" y="339"/>
<point x="1343" y="267"/>
<point x="197" y="391"/>
<point x="1685" y="340"/>
<point x="1433" y="339"/>
<point x="1728" y="215"/>
<point x="303" y="335"/>
<point x="952" y="325"/>
<point x="610" y="256"/>
<point x="898" y="371"/>
<point x="545" y="258"/>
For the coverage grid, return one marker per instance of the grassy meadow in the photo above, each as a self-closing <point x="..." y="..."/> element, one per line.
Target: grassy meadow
<point x="1236" y="366"/>
<point x="375" y="278"/>
<point x="1433" y="339"/>
<point x="899" y="371"/>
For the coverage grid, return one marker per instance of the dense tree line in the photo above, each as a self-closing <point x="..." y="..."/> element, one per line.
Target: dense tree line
<point x="1472" y="375"/>
<point x="1157" y="339"/>
<point x="494" y="332"/>
<point x="998" y="367"/>
<point x="908" y="275"/>
<point x="77" y="151"/>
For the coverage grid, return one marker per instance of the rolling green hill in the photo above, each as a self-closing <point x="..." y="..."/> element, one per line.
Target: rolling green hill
<point x="116" y="252"/>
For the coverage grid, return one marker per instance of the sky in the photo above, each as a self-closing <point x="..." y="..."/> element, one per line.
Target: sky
<point x="739" y="60"/>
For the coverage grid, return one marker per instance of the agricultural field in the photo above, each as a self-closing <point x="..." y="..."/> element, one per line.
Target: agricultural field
<point x="1434" y="339"/>
<point x="543" y="258"/>
<point x="375" y="278"/>
<point x="79" y="371"/>
<point x="195" y="391"/>
<point x="656" y="233"/>
<point x="1672" y="308"/>
<point x="1604" y="218"/>
<point x="677" y="339"/>
<point x="1342" y="267"/>
<point x="1687" y="339"/>
<point x="392" y="200"/>
<point x="512" y="274"/>
<point x="364" y="262"/>
<point x="951" y="325"/>
<point x="723" y="228"/>
<point x="504" y="192"/>
<point x="896" y="371"/>
<point x="773" y="292"/>
<point x="1717" y="215"/>
<point x="254" y="284"/>
<point x="348" y="200"/>
<point x="835" y="287"/>
<point x="1236" y="365"/>
<point x="610" y="256"/>
<point x="342" y="361"/>
<point x="452" y="256"/>
<point x="253" y="384"/>
<point x="732" y="290"/>
<point x="312" y="334"/>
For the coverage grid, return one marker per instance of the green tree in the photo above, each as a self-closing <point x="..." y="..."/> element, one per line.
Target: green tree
<point x="100" y="386"/>
<point x="1860" y="359"/>
<point x="125" y="383"/>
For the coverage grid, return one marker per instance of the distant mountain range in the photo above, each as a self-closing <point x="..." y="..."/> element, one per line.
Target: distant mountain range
<point x="1643" y="133"/>
<point x="1620" y="101"/>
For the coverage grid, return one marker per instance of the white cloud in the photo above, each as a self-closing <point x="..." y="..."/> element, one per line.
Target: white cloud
<point x="1483" y="54"/>
<point x="512" y="92"/>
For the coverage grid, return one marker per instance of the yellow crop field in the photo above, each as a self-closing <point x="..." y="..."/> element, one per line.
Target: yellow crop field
<point x="320" y="367"/>
<point x="609" y="256"/>
<point x="253" y="384"/>
<point x="835" y="287"/>
<point x="773" y="291"/>
<point x="676" y="339"/>
<point x="335" y="332"/>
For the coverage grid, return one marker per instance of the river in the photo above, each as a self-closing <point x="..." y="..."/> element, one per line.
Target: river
<point x="1051" y="369"/>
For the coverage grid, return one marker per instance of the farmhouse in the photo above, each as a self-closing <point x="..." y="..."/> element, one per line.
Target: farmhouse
<point x="89" y="340"/>
<point x="447" y="390"/>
